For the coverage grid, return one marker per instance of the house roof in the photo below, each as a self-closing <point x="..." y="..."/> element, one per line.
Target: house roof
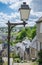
<point x="24" y="44"/>
<point x="39" y="20"/>
<point x="20" y="45"/>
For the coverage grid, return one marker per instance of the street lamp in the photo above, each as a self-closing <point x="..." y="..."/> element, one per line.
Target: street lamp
<point x="24" y="12"/>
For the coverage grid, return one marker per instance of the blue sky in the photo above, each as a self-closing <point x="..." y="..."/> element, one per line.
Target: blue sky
<point x="9" y="11"/>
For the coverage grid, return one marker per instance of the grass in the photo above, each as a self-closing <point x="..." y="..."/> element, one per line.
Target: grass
<point x="5" y="63"/>
<point x="34" y="63"/>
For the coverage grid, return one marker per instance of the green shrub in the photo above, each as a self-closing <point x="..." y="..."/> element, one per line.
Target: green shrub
<point x="17" y="60"/>
<point x="40" y="54"/>
<point x="40" y="60"/>
<point x="40" y="57"/>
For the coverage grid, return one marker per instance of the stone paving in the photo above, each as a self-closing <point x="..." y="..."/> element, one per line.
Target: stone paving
<point x="22" y="64"/>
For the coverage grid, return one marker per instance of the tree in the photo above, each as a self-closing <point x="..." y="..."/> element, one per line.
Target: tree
<point x="33" y="32"/>
<point x="29" y="32"/>
<point x="21" y="35"/>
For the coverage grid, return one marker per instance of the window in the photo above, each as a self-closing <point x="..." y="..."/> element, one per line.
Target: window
<point x="27" y="49"/>
<point x="40" y="46"/>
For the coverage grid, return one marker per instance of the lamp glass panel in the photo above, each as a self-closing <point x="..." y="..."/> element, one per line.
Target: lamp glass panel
<point x="41" y="27"/>
<point x="24" y="14"/>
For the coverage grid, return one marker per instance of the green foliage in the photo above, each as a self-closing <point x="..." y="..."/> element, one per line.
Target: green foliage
<point x="40" y="56"/>
<point x="0" y="41"/>
<point x="18" y="60"/>
<point x="14" y="55"/>
<point x="29" y="32"/>
<point x="1" y="61"/>
<point x="33" y="33"/>
<point x="40" y="60"/>
<point x="13" y="43"/>
<point x="11" y="55"/>
<point x="26" y="32"/>
<point x="21" y="35"/>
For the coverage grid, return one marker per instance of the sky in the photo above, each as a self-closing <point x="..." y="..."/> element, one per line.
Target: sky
<point x="9" y="10"/>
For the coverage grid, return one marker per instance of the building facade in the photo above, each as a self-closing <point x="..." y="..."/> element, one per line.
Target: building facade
<point x="39" y="31"/>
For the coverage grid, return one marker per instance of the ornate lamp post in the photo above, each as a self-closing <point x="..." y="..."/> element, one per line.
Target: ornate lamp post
<point x="24" y="13"/>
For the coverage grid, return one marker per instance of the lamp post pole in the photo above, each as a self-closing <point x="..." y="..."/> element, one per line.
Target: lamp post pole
<point x="8" y="43"/>
<point x="10" y="26"/>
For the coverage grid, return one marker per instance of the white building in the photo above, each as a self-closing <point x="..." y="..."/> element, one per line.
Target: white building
<point x="34" y="48"/>
<point x="39" y="31"/>
<point x="21" y="48"/>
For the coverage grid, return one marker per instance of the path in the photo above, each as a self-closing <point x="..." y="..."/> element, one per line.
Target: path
<point x="29" y="63"/>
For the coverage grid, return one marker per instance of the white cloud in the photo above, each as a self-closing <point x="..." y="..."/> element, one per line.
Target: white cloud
<point x="31" y="24"/>
<point x="14" y="1"/>
<point x="2" y="24"/>
<point x="16" y="5"/>
<point x="38" y="14"/>
<point x="4" y="1"/>
<point x="4" y="17"/>
<point x="14" y="15"/>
